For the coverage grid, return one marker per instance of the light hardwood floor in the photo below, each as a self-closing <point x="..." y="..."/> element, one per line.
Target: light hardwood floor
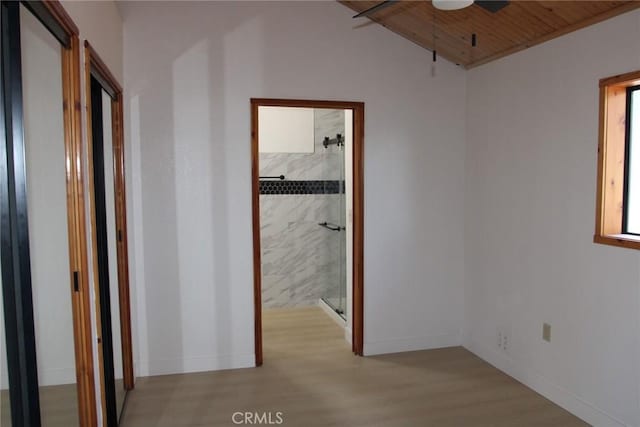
<point x="310" y="375"/>
<point x="58" y="406"/>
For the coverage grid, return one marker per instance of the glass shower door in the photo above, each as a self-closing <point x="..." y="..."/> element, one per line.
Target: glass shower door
<point x="332" y="124"/>
<point x="342" y="252"/>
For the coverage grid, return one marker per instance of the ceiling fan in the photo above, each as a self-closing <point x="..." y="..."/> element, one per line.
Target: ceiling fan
<point x="489" y="5"/>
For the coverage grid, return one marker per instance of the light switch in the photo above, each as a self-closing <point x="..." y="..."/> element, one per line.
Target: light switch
<point x="546" y="332"/>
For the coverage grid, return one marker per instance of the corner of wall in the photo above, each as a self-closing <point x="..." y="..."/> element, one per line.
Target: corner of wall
<point x="427" y="342"/>
<point x="543" y="385"/>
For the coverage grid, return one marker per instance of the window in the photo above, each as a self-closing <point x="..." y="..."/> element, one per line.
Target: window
<point x="618" y="197"/>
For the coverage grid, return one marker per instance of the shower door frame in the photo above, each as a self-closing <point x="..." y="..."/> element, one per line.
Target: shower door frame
<point x="357" y="307"/>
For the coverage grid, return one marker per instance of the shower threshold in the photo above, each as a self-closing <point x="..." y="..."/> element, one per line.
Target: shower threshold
<point x="329" y="306"/>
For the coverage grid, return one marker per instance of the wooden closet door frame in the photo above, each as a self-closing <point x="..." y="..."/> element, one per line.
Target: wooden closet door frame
<point x="357" y="306"/>
<point x="95" y="67"/>
<point x="53" y="16"/>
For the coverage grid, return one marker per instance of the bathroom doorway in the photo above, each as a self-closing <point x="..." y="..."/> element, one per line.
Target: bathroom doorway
<point x="307" y="190"/>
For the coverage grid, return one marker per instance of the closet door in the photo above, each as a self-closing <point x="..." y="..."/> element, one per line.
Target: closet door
<point x="44" y="299"/>
<point x="51" y="278"/>
<point x="106" y="240"/>
<point x="5" y="405"/>
<point x="109" y="234"/>
<point x="5" y="408"/>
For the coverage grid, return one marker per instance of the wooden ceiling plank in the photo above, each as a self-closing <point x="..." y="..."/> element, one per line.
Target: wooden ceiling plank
<point x="457" y="32"/>
<point x="622" y="8"/>
<point x="453" y="32"/>
<point x="448" y="38"/>
<point x="500" y="25"/>
<point x="516" y="27"/>
<point x="545" y="14"/>
<point x="566" y="11"/>
<point x="519" y="14"/>
<point x="487" y="35"/>
<point x="411" y="26"/>
<point x="397" y="8"/>
<point x="577" y="11"/>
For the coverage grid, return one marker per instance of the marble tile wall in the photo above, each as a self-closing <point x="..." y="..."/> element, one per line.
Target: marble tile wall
<point x="300" y="259"/>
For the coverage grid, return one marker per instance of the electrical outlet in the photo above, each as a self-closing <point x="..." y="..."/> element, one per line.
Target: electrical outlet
<point x="546" y="332"/>
<point x="503" y="340"/>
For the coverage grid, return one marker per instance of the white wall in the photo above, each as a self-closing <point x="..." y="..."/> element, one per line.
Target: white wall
<point x="190" y="70"/>
<point x="532" y="127"/>
<point x="100" y="23"/>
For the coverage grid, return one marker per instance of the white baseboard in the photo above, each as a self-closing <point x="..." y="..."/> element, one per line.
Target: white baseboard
<point x="348" y="335"/>
<point x="544" y="386"/>
<point x="411" y="344"/>
<point x="196" y="364"/>
<point x="59" y="376"/>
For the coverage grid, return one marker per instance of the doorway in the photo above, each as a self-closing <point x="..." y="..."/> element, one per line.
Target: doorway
<point x="340" y="224"/>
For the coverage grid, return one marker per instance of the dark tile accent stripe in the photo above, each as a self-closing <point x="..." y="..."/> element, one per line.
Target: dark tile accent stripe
<point x="301" y="187"/>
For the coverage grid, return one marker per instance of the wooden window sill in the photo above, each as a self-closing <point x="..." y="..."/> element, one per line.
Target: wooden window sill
<point x="630" y="241"/>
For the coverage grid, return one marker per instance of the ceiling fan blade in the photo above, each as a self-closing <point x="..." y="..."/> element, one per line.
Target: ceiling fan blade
<point x="492" y="6"/>
<point x="376" y="8"/>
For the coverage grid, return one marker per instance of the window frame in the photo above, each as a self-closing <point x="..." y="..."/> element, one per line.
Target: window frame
<point x="627" y="160"/>
<point x="610" y="226"/>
